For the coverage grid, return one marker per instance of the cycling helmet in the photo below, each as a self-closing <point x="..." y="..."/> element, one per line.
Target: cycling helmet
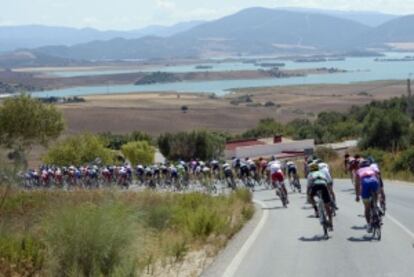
<point x="313" y="167"/>
<point x="364" y="163"/>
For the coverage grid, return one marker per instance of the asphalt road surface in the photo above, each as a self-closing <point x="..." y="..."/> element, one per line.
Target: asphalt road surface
<point x="289" y="242"/>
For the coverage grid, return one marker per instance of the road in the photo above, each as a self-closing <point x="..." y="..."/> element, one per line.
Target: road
<point x="289" y="242"/>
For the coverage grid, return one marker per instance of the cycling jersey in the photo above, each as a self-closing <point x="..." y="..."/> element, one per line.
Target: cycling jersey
<point x="317" y="182"/>
<point x="324" y="168"/>
<point x="274" y="166"/>
<point x="369" y="182"/>
<point x="317" y="178"/>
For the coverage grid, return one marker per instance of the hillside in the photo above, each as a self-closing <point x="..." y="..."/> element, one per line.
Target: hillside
<point x="32" y="36"/>
<point x="251" y="31"/>
<point x="400" y="30"/>
<point x="372" y="19"/>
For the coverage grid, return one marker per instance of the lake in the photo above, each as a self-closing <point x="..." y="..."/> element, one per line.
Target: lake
<point x="360" y="70"/>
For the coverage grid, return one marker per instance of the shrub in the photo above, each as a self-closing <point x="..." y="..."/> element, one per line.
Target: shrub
<point x="184" y="109"/>
<point x="89" y="240"/>
<point x="21" y="255"/>
<point x="266" y="127"/>
<point x="405" y="161"/>
<point x="115" y="141"/>
<point x="138" y="152"/>
<point x="78" y="150"/>
<point x="197" y="144"/>
<point x="326" y="153"/>
<point x="385" y="129"/>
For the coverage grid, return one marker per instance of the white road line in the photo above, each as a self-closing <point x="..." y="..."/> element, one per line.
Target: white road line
<point x="237" y="260"/>
<point x="399" y="224"/>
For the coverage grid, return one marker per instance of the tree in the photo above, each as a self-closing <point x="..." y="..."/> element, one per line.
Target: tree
<point x="184" y="109"/>
<point x="138" y="152"/>
<point x="25" y="121"/>
<point x="115" y="141"/>
<point x="77" y="150"/>
<point x="385" y="129"/>
<point x="197" y="144"/>
<point x="266" y="128"/>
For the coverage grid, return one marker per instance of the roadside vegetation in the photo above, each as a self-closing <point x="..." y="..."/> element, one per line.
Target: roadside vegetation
<point x="101" y="232"/>
<point x="112" y="233"/>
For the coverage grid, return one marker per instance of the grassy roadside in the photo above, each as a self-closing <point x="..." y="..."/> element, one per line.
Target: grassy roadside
<point x="111" y="233"/>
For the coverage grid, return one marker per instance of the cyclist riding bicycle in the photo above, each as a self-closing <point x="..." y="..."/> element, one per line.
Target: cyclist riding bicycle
<point x="317" y="182"/>
<point x="376" y="168"/>
<point x="324" y="168"/>
<point x="228" y="174"/>
<point x="276" y="175"/>
<point x="292" y="171"/>
<point x="367" y="186"/>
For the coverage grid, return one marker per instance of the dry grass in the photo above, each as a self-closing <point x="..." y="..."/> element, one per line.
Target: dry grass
<point x="157" y="230"/>
<point x="156" y="113"/>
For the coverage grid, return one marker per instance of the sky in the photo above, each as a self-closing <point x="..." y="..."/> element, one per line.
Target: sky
<point x="134" y="14"/>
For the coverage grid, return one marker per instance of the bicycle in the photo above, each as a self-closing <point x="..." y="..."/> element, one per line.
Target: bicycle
<point x="323" y="217"/>
<point x="280" y="193"/>
<point x="295" y="185"/>
<point x="376" y="219"/>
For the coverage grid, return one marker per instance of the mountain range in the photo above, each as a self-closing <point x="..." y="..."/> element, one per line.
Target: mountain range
<point x="32" y="36"/>
<point x="254" y="31"/>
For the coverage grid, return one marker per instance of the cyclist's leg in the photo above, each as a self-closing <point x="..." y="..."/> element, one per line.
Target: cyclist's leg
<point x="281" y="180"/>
<point x="311" y="198"/>
<point x="368" y="187"/>
<point x="327" y="202"/>
<point x="332" y="194"/>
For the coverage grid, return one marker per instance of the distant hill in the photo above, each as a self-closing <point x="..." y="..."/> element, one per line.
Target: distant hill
<point x="397" y="30"/>
<point x="251" y="31"/>
<point x="32" y="36"/>
<point x="372" y="19"/>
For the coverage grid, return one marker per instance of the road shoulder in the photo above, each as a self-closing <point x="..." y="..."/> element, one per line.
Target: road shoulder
<point x="226" y="256"/>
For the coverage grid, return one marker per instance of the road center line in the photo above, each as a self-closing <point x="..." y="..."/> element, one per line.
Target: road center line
<point x="237" y="260"/>
<point x="399" y="224"/>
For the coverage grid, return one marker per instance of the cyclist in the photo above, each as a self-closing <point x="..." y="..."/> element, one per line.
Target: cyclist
<point x="292" y="171"/>
<point x="376" y="168"/>
<point x="317" y="182"/>
<point x="367" y="186"/>
<point x="276" y="175"/>
<point x="324" y="168"/>
<point x="228" y="174"/>
<point x="215" y="168"/>
<point x="353" y="167"/>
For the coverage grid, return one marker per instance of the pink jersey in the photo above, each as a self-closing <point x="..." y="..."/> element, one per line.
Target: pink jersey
<point x="366" y="172"/>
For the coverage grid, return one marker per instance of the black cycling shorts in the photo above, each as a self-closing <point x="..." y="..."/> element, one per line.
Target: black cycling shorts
<point x="325" y="193"/>
<point x="228" y="174"/>
<point x="292" y="171"/>
<point x="244" y="171"/>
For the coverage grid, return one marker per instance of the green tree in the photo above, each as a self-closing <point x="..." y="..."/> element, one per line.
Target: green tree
<point x="266" y="128"/>
<point x="197" y="144"/>
<point x="385" y="129"/>
<point x="138" y="152"/>
<point x="25" y="121"/>
<point x="77" y="150"/>
<point x="115" y="141"/>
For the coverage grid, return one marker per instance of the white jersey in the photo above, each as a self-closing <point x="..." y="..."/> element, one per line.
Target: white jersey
<point x="324" y="168"/>
<point x="274" y="166"/>
<point x="375" y="167"/>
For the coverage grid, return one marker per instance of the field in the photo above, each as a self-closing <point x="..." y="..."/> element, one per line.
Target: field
<point x="156" y="113"/>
